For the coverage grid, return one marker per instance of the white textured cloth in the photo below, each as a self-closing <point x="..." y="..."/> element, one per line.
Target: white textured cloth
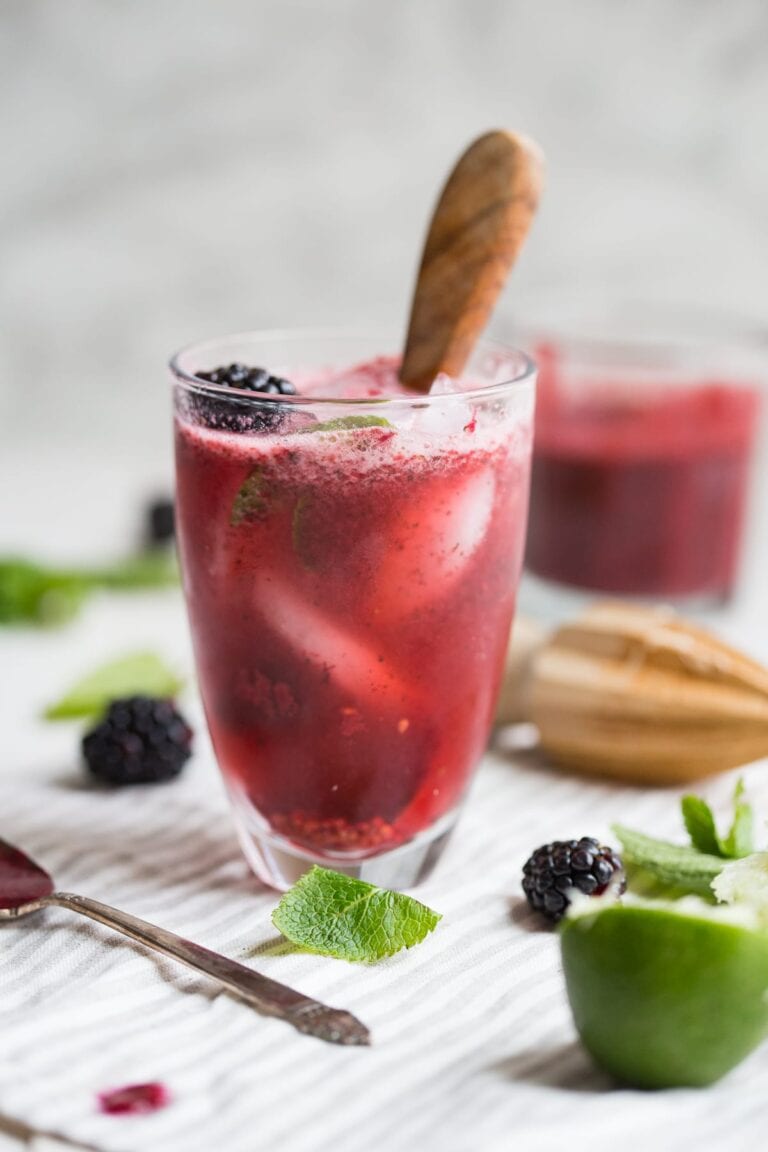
<point x="474" y="1047"/>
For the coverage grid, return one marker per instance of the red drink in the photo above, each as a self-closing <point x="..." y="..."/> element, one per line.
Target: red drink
<point x="639" y="484"/>
<point x="350" y="591"/>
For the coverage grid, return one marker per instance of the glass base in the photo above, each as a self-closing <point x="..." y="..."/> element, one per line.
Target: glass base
<point x="280" y="863"/>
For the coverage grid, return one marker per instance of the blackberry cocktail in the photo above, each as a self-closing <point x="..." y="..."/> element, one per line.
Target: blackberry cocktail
<point x="641" y="472"/>
<point x="350" y="556"/>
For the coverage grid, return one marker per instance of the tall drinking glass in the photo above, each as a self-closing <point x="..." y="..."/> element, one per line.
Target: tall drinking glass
<point x="350" y="558"/>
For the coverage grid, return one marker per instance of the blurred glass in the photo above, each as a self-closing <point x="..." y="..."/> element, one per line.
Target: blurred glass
<point x="648" y="458"/>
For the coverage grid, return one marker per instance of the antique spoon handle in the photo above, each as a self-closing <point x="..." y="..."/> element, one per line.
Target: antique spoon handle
<point x="269" y="996"/>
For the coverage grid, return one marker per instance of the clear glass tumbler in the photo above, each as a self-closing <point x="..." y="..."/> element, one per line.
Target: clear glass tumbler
<point x="350" y="569"/>
<point x="642" y="467"/>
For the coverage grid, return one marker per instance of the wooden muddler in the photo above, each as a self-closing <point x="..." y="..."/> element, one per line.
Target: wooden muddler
<point x="478" y="227"/>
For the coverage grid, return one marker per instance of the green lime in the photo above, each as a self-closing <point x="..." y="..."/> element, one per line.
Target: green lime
<point x="666" y="995"/>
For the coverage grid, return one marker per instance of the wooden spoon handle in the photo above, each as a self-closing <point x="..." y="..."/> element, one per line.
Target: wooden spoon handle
<point x="477" y="229"/>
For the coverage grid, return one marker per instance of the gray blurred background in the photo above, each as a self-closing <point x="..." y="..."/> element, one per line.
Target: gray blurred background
<point x="173" y="169"/>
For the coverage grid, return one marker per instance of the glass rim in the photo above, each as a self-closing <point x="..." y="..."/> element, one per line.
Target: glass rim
<point x="524" y="379"/>
<point x="595" y="346"/>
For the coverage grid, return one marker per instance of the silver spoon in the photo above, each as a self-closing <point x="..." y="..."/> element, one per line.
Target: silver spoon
<point x="25" y="887"/>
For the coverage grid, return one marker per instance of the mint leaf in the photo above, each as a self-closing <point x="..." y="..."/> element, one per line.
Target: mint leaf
<point x="676" y="866"/>
<point x="156" y="568"/>
<point x="339" y="916"/>
<point x="740" y="840"/>
<point x="345" y="422"/>
<point x="32" y="593"/>
<point x="252" y="501"/>
<point x="140" y="674"/>
<point x="700" y="825"/>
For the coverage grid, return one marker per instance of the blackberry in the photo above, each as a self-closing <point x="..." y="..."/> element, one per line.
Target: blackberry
<point x="250" y="379"/>
<point x="585" y="864"/>
<point x="141" y="740"/>
<point x="159" y="524"/>
<point x="237" y="414"/>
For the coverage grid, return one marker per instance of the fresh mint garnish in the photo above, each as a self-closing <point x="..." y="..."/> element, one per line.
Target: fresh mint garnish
<point x="700" y="825"/>
<point x="32" y="593"/>
<point x="675" y="869"/>
<point x="343" y="423"/>
<point x="339" y="916"/>
<point x="140" y="674"/>
<point x="675" y="866"/>
<point x="740" y="840"/>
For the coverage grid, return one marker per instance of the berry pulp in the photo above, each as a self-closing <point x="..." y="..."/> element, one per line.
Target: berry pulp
<point x="640" y="490"/>
<point x="350" y="591"/>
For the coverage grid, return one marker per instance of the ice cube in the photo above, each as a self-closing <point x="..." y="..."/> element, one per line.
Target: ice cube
<point x="437" y="539"/>
<point x="450" y="417"/>
<point x="360" y="669"/>
<point x="443" y="385"/>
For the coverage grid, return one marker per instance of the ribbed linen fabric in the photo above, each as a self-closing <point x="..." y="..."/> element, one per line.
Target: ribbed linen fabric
<point x="473" y="1043"/>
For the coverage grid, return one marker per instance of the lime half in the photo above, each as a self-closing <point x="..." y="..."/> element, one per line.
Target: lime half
<point x="664" y="994"/>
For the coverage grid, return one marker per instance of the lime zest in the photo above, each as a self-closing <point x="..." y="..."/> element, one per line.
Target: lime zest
<point x="335" y="915"/>
<point x="137" y="674"/>
<point x="344" y="423"/>
<point x="677" y="866"/>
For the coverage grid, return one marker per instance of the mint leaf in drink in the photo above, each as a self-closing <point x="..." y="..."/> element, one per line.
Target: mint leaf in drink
<point x="674" y="866"/>
<point x="740" y="840"/>
<point x="700" y="825"/>
<point x="139" y="674"/>
<point x="339" y="916"/>
<point x="344" y="423"/>
<point x="252" y="501"/>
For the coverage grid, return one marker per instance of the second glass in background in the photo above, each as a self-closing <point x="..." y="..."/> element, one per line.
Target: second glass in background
<point x="643" y="466"/>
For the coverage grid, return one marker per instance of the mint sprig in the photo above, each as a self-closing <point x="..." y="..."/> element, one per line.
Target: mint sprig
<point x="681" y="868"/>
<point x="336" y="915"/>
<point x="41" y="594"/>
<point x="700" y="825"/>
<point x="138" y="674"/>
<point x="740" y="840"/>
<point x="677" y="866"/>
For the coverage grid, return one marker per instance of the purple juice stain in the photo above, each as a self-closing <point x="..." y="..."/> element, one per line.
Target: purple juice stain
<point x="21" y="880"/>
<point x="134" y="1099"/>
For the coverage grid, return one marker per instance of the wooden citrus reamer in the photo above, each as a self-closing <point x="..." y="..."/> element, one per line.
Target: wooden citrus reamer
<point x="638" y="694"/>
